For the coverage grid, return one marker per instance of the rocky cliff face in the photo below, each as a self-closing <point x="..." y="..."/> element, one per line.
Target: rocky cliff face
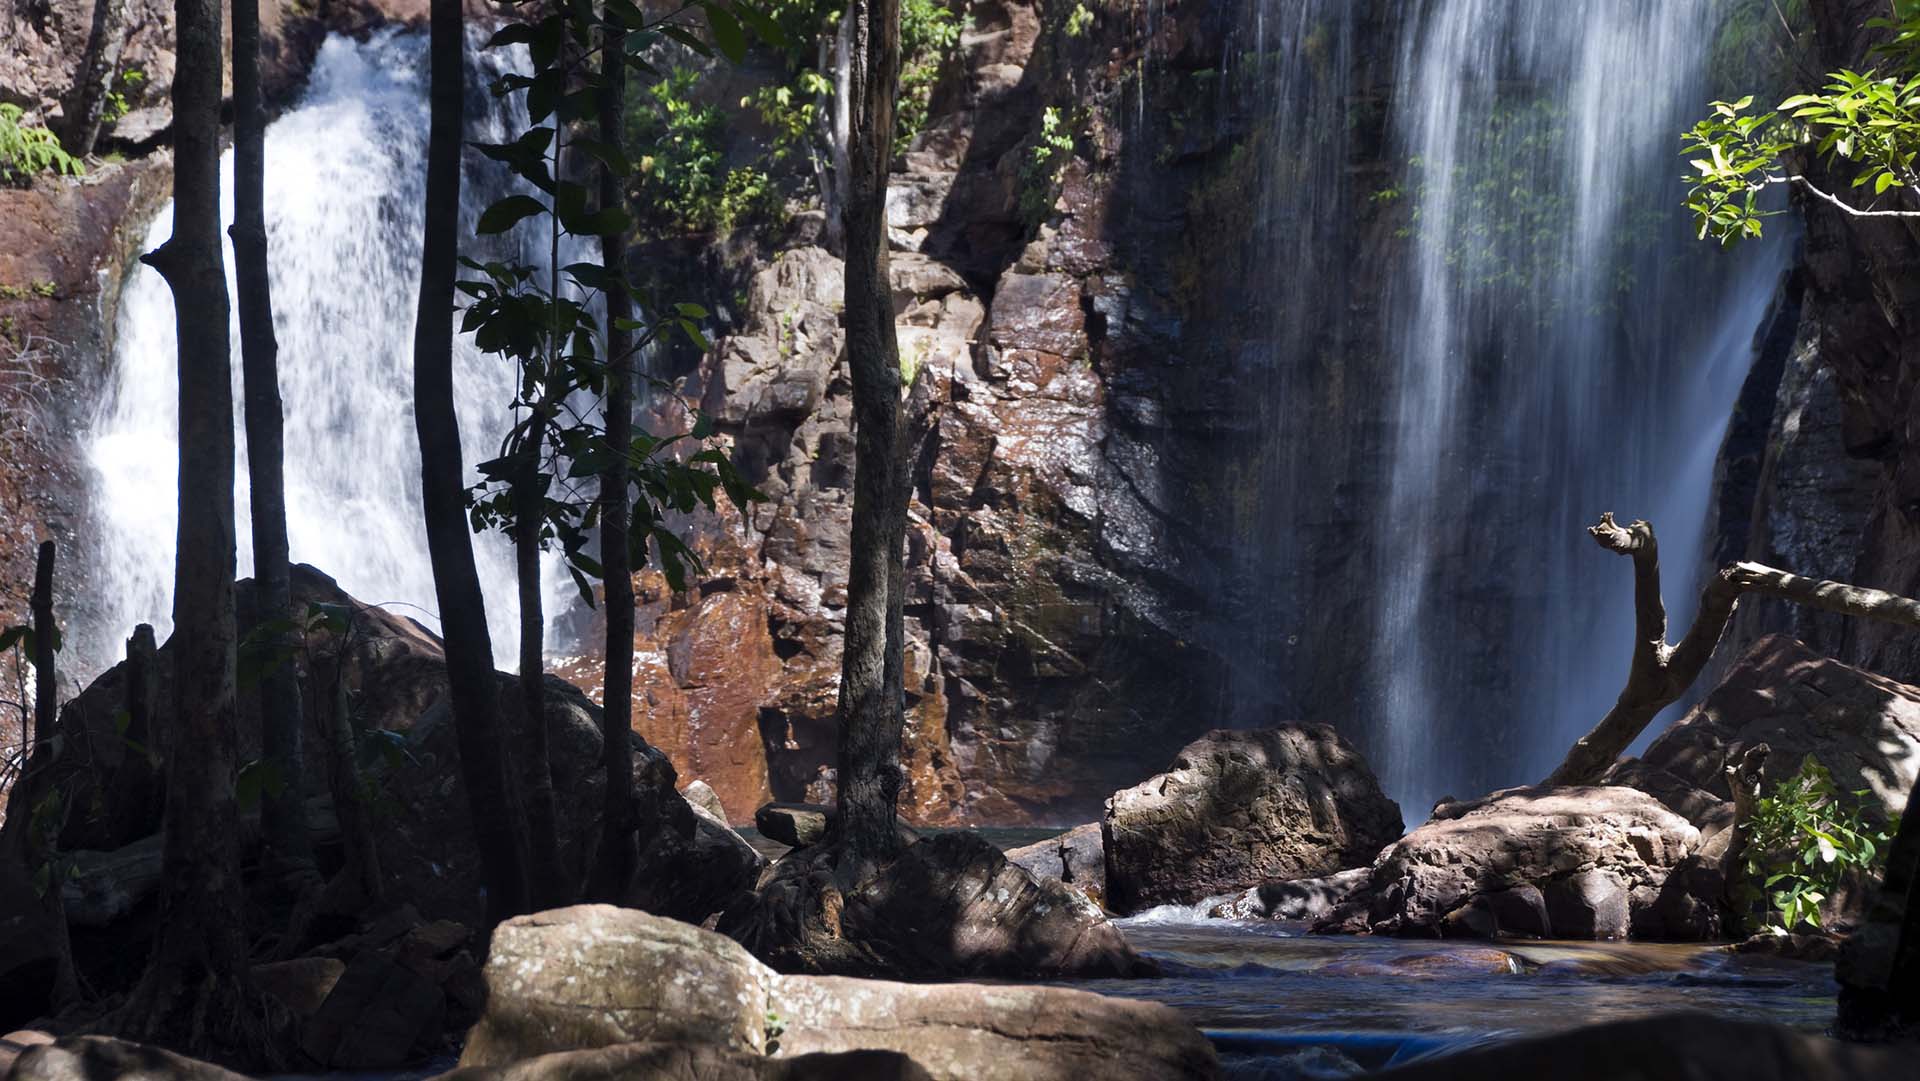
<point x="1839" y="495"/>
<point x="1082" y="441"/>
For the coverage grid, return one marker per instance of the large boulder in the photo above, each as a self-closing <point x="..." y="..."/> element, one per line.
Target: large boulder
<point x="695" y="1062"/>
<point x="595" y="976"/>
<point x="1581" y="863"/>
<point x="949" y="905"/>
<point x="1077" y="858"/>
<point x="1238" y="808"/>
<point x="1863" y="727"/>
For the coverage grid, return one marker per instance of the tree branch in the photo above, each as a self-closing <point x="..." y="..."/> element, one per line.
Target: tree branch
<point x="1660" y="673"/>
<point x="1835" y="200"/>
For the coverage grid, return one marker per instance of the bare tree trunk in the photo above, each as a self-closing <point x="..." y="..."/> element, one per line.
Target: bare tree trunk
<point x="196" y="993"/>
<point x="870" y="713"/>
<point x="86" y="103"/>
<point x="548" y="886"/>
<point x="66" y="984"/>
<point x="614" y="854"/>
<point x="473" y="691"/>
<point x="283" y="815"/>
<point x="1661" y="673"/>
<point x="834" y="183"/>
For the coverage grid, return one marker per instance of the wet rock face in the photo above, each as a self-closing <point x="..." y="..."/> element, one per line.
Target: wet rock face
<point x="1590" y="863"/>
<point x="1237" y="809"/>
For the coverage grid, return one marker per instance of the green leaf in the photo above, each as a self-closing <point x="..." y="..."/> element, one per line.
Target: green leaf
<point x="507" y="213"/>
<point x="727" y="35"/>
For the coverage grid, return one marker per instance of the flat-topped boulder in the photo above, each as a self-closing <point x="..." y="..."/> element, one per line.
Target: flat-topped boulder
<point x="594" y="976"/>
<point x="1076" y="858"/>
<point x="796" y="825"/>
<point x="1239" y="808"/>
<point x="1601" y="862"/>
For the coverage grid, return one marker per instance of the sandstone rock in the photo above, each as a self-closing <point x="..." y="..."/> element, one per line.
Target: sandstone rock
<point x="703" y="798"/>
<point x="1863" y="727"/>
<point x="102" y="1058"/>
<point x="1588" y="863"/>
<point x="1075" y="858"/>
<point x="1238" y="808"/>
<point x="950" y="905"/>
<point x="1294" y="899"/>
<point x="793" y="824"/>
<point x="598" y="977"/>
<point x="15" y="1044"/>
<point x="1668" y="1047"/>
<point x="695" y="1062"/>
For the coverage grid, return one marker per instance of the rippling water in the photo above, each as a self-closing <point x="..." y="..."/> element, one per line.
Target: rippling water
<point x="1283" y="1004"/>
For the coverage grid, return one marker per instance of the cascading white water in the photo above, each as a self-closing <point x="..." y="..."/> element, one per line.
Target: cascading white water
<point x="345" y="180"/>
<point x="1563" y="346"/>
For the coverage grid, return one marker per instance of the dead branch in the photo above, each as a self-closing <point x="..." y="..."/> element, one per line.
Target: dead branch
<point x="1660" y="673"/>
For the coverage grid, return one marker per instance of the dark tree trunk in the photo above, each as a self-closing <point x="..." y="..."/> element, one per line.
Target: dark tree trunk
<point x="614" y="854"/>
<point x="548" y="886"/>
<point x="283" y="815"/>
<point x="1879" y="967"/>
<point x="195" y="994"/>
<point x="474" y="693"/>
<point x="86" y="103"/>
<point x="66" y="986"/>
<point x="870" y="713"/>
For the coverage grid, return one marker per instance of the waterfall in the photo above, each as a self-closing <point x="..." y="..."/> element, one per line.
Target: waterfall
<point x="1563" y="346"/>
<point x="1483" y="319"/>
<point x="345" y="181"/>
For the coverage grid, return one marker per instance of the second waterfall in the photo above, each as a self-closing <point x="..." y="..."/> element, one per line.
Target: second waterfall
<point x="345" y="176"/>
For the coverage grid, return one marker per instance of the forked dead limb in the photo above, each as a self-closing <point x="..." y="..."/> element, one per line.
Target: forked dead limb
<point x="1660" y="673"/>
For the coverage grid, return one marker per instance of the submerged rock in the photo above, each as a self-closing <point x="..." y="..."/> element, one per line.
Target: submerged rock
<point x="103" y="1058"/>
<point x="594" y="976"/>
<point x="950" y="905"/>
<point x="1238" y="808"/>
<point x="1579" y="862"/>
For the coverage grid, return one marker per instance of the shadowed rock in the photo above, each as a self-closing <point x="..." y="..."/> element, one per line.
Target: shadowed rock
<point x="1238" y="808"/>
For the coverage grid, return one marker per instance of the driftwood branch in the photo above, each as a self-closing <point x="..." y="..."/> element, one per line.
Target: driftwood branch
<point x="1660" y="673"/>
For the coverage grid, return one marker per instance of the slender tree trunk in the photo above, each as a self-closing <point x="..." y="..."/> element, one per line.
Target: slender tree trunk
<point x="195" y="994"/>
<point x="86" y="103"/>
<point x="1661" y="673"/>
<point x="870" y="713"/>
<point x="66" y="984"/>
<point x="283" y="809"/>
<point x="548" y="885"/>
<point x="474" y="692"/>
<point x="614" y="854"/>
<point x="838" y="122"/>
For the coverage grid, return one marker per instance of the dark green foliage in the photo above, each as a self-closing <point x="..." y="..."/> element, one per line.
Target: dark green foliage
<point x="1803" y="841"/>
<point x="549" y="327"/>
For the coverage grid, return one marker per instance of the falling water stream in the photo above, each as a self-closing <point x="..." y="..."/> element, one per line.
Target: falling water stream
<point x="344" y="203"/>
<point x="1546" y="340"/>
